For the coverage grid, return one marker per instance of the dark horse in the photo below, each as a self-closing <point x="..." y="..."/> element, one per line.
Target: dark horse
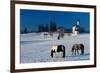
<point x="61" y="35"/>
<point x="76" y="48"/>
<point x="58" y="48"/>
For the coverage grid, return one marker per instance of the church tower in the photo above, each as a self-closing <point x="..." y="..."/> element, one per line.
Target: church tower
<point x="75" y="28"/>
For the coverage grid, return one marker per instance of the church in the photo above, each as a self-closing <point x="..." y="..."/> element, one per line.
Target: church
<point x="75" y="28"/>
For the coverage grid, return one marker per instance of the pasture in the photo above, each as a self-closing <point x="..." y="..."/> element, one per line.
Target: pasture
<point x="35" y="47"/>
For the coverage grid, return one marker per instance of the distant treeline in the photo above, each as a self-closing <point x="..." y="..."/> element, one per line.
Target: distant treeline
<point x="52" y="27"/>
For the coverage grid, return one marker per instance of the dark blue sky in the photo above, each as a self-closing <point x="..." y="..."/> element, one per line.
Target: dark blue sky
<point x="32" y="18"/>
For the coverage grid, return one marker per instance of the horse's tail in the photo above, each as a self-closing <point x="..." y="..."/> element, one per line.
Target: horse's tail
<point x="63" y="51"/>
<point x="52" y="53"/>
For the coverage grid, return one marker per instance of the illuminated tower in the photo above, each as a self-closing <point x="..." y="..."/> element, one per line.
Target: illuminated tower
<point x="75" y="28"/>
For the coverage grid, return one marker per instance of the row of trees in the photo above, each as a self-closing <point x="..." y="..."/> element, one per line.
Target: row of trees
<point x="25" y="30"/>
<point x="52" y="27"/>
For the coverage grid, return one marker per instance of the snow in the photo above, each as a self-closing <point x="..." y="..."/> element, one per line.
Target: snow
<point x="36" y="48"/>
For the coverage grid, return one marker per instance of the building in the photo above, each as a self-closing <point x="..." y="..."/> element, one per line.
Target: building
<point x="75" y="28"/>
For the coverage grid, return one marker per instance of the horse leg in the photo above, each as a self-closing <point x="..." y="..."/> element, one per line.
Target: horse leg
<point x="75" y="52"/>
<point x="63" y="51"/>
<point x="72" y="51"/>
<point x="58" y="38"/>
<point x="82" y="51"/>
<point x="52" y="53"/>
<point x="63" y="54"/>
<point x="61" y="48"/>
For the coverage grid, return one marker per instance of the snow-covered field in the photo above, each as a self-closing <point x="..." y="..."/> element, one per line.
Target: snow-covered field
<point x="36" y="47"/>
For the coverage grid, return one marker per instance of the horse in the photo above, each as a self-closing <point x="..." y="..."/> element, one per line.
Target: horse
<point x="56" y="49"/>
<point x="60" y="36"/>
<point x="45" y="34"/>
<point x="76" y="48"/>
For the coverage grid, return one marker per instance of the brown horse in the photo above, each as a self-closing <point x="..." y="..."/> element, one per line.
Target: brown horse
<point x="76" y="48"/>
